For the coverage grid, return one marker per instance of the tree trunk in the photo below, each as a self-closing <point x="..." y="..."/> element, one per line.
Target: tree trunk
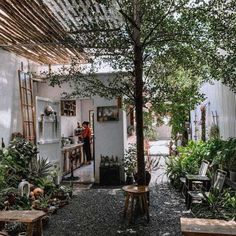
<point x="138" y="69"/>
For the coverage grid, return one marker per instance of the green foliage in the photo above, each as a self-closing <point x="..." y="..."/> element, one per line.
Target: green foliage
<point x="19" y="161"/>
<point x="174" y="170"/>
<point x="227" y="155"/>
<point x="152" y="40"/>
<point x="15" y="161"/>
<point x="191" y="156"/>
<point x="41" y="168"/>
<point x="218" y="205"/>
<point x="220" y="153"/>
<point x="25" y="149"/>
<point x="184" y="95"/>
<point x="230" y="201"/>
<point x="64" y="191"/>
<point x="150" y="133"/>
<point x="22" y="203"/>
<point x="2" y="175"/>
<point x="222" y="22"/>
<point x="47" y="184"/>
<point x="175" y="40"/>
<point x="149" y="130"/>
<point x="42" y="202"/>
<point x="130" y="160"/>
<point x="214" y="132"/>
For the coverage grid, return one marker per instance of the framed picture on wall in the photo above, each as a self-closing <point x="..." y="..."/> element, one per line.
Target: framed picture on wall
<point x="109" y="113"/>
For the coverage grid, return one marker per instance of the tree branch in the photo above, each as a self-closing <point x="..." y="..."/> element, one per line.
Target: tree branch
<point x="158" y="23"/>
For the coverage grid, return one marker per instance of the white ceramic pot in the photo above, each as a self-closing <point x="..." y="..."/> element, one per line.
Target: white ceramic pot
<point x="22" y="234"/>
<point x="24" y="188"/>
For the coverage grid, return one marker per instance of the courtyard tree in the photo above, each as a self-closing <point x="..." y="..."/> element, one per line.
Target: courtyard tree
<point x="222" y="21"/>
<point x="146" y="40"/>
<point x="178" y="104"/>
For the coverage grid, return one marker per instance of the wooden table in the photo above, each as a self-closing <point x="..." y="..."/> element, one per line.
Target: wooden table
<point x="200" y="178"/>
<point x="69" y="153"/>
<point x="140" y="194"/>
<point x="207" y="227"/>
<point x="30" y="218"/>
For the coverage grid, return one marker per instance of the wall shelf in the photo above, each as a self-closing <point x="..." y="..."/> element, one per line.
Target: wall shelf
<point x="68" y="107"/>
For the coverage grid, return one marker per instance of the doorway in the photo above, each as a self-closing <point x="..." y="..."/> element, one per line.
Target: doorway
<point x="86" y="172"/>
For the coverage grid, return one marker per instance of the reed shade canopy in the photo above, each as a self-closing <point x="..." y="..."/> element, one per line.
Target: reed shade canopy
<point x="52" y="31"/>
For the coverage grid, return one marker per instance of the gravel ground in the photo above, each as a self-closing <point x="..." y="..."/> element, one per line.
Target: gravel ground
<point x="99" y="212"/>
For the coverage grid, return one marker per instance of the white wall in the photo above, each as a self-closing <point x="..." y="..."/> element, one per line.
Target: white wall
<point x="109" y="136"/>
<point x="222" y="102"/>
<point x="68" y="123"/>
<point x="10" y="111"/>
<point x="86" y="106"/>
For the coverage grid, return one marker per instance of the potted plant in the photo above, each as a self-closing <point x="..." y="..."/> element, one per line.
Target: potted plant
<point x="63" y="193"/>
<point x="42" y="203"/>
<point x="130" y="163"/>
<point x="130" y="166"/>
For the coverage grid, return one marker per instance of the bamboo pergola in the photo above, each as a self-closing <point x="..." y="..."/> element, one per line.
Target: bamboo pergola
<point x="48" y="31"/>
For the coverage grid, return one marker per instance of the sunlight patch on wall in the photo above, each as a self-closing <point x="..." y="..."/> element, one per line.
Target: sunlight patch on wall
<point x="5" y="118"/>
<point x="3" y="80"/>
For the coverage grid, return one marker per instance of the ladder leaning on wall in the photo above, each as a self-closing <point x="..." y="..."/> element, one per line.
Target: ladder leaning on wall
<point x="27" y="106"/>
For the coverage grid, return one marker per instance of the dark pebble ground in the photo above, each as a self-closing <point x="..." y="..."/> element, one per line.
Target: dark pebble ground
<point x="98" y="212"/>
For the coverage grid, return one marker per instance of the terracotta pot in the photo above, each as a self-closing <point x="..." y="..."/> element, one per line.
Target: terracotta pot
<point x="148" y="177"/>
<point x="129" y="180"/>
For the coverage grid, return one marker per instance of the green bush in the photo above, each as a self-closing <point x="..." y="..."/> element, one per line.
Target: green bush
<point x="19" y="161"/>
<point x="217" y="205"/>
<point x="15" y="161"/>
<point x="226" y="156"/>
<point x="191" y="156"/>
<point x="174" y="169"/>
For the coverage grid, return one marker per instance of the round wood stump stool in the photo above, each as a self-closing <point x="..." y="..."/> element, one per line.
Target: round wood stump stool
<point x="140" y="194"/>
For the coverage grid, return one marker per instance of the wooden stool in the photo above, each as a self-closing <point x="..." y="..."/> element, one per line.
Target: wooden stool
<point x="140" y="194"/>
<point x="30" y="218"/>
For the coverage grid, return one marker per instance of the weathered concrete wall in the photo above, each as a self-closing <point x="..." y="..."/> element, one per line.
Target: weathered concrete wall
<point x="10" y="112"/>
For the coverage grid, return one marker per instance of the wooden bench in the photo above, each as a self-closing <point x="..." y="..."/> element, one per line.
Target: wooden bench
<point x="30" y="218"/>
<point x="207" y="227"/>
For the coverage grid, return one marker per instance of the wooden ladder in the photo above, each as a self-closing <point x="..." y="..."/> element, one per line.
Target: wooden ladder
<point x="27" y="106"/>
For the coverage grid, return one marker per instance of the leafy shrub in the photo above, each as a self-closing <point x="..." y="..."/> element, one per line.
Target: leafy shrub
<point x="41" y="168"/>
<point x="226" y="156"/>
<point x="191" y="156"/>
<point x="174" y="169"/>
<point x="130" y="160"/>
<point x="218" y="205"/>
<point x="15" y="161"/>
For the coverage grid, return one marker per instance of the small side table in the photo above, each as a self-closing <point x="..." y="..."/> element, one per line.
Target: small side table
<point x="195" y="178"/>
<point x="30" y="218"/>
<point x="140" y="194"/>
